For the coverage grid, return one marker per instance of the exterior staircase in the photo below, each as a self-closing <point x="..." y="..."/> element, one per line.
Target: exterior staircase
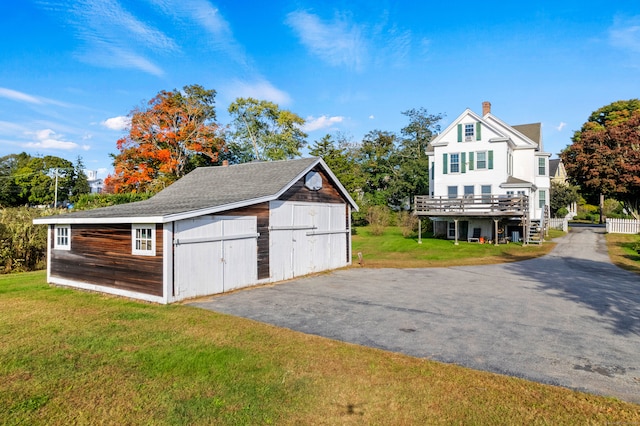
<point x="536" y="233"/>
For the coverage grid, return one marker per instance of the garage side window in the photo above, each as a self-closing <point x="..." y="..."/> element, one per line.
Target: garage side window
<point x="63" y="237"/>
<point x="143" y="240"/>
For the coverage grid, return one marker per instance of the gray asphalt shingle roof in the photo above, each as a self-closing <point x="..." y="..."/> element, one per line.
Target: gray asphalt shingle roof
<point x="210" y="187"/>
<point x="533" y="131"/>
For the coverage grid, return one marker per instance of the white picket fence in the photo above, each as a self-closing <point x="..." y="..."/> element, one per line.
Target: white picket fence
<point x="623" y="226"/>
<point x="559" y="223"/>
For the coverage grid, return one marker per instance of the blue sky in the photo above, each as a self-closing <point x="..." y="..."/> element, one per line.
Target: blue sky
<point x="70" y="71"/>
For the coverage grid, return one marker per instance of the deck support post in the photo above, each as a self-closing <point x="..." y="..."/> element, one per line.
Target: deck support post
<point x="455" y="221"/>
<point x="419" y="230"/>
<point x="495" y="221"/>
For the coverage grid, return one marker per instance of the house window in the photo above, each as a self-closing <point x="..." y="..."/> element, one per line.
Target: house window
<point x="542" y="169"/>
<point x="542" y="198"/>
<point x="481" y="160"/>
<point x="143" y="240"/>
<point x="510" y="194"/>
<point x="468" y="132"/>
<point x="62" y="237"/>
<point x="452" y="229"/>
<point x="454" y="163"/>
<point x="452" y="191"/>
<point x="468" y="191"/>
<point x="486" y="193"/>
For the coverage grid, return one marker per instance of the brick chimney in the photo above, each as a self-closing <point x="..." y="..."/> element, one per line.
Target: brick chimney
<point x="486" y="108"/>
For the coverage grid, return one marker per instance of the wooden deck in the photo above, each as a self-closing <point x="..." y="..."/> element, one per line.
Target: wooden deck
<point x="478" y="206"/>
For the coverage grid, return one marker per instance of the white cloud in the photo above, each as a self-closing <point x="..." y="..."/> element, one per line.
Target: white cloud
<point x="321" y="122"/>
<point x="48" y="139"/>
<point x="112" y="36"/>
<point x="15" y="95"/>
<point x="561" y="126"/>
<point x="336" y="42"/>
<point x="18" y="96"/>
<point x="625" y="34"/>
<point x="117" y="123"/>
<point x="262" y="90"/>
<point x="208" y="17"/>
<point x="371" y="117"/>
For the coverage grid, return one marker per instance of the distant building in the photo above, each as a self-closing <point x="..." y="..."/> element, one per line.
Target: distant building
<point x="95" y="183"/>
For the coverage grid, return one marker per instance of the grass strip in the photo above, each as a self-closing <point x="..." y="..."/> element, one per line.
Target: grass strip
<point x="73" y="357"/>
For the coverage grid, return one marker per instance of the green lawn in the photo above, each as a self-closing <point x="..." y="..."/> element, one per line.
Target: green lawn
<point x="72" y="357"/>
<point x="393" y="250"/>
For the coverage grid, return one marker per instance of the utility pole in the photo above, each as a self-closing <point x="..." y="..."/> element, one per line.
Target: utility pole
<point x="55" y="196"/>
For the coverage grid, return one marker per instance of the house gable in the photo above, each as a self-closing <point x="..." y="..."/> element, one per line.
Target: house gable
<point x="468" y="128"/>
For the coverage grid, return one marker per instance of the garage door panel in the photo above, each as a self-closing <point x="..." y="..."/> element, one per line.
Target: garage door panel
<point x="226" y="262"/>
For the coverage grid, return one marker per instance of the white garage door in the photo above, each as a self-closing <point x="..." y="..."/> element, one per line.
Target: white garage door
<point x="214" y="254"/>
<point x="306" y="238"/>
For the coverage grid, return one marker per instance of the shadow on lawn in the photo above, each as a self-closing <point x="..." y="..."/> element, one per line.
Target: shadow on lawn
<point x="611" y="292"/>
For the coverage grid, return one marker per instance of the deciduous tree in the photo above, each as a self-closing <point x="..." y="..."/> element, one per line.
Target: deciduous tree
<point x="173" y="134"/>
<point x="604" y="157"/>
<point x="263" y="131"/>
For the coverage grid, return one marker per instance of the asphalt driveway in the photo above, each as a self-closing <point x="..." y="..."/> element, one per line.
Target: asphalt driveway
<point x="570" y="318"/>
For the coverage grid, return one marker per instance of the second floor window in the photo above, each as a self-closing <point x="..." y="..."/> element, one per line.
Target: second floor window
<point x="452" y="191"/>
<point x="481" y="160"/>
<point x="454" y="163"/>
<point x="542" y="169"/>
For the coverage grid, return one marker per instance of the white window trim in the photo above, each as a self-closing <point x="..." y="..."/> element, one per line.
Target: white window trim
<point x="56" y="244"/>
<point x="139" y="252"/>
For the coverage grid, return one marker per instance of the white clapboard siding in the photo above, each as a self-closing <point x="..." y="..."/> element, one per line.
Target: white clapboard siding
<point x="623" y="226"/>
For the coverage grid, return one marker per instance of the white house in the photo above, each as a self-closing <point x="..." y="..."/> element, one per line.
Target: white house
<point x="488" y="180"/>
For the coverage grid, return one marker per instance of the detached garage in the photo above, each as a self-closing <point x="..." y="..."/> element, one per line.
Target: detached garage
<point x="215" y="230"/>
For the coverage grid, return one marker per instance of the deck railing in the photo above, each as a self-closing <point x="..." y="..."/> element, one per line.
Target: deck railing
<point x="518" y="205"/>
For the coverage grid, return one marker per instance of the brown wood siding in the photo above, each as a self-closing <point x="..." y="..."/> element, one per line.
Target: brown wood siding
<point x="328" y="194"/>
<point x="261" y="211"/>
<point x="101" y="254"/>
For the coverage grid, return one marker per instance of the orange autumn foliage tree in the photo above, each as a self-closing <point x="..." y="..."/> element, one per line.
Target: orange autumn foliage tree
<point x="172" y="135"/>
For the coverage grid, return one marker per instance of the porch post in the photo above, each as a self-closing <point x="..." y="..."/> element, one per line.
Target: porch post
<point x="455" y="221"/>
<point x="495" y="221"/>
<point x="419" y="230"/>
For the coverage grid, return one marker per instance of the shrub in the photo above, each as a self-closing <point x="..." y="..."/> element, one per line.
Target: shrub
<point x="378" y="218"/>
<point x="23" y="245"/>
<point x="408" y="223"/>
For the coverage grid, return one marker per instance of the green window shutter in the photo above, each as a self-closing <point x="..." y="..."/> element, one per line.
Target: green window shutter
<point x="471" y="161"/>
<point x="444" y="163"/>
<point x="433" y="168"/>
<point x="478" y="137"/>
<point x="463" y="160"/>
<point x="490" y="160"/>
<point x="459" y="132"/>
